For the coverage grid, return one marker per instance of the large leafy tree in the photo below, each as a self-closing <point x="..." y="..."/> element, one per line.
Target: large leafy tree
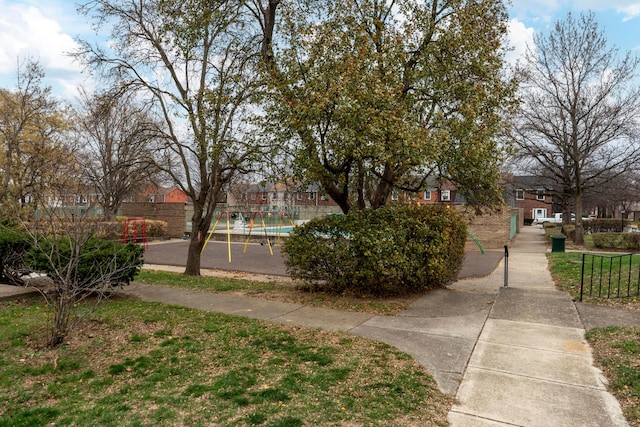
<point x="34" y="156"/>
<point x="118" y="139"/>
<point x="378" y="95"/>
<point x="195" y="61"/>
<point x="580" y="118"/>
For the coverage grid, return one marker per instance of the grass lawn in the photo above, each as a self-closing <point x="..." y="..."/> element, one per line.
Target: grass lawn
<point x="138" y="363"/>
<point x="277" y="291"/>
<point x="616" y="350"/>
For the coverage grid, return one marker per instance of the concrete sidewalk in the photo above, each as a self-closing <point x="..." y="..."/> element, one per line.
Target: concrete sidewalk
<point x="531" y="365"/>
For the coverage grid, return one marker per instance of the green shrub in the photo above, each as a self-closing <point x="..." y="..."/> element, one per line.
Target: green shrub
<point x="626" y="241"/>
<point x="631" y="241"/>
<point x="605" y="240"/>
<point x="13" y="246"/>
<point x="389" y="251"/>
<point x="603" y="225"/>
<point x="569" y="231"/>
<point x="89" y="264"/>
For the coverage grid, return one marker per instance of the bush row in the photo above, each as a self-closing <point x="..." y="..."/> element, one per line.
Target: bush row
<point x="97" y="259"/>
<point x="604" y="225"/>
<point x="115" y="230"/>
<point x="627" y="241"/>
<point x="108" y="230"/>
<point x="389" y="251"/>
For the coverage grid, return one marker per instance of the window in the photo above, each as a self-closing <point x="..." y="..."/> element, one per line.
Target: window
<point x="540" y="195"/>
<point x="412" y="196"/>
<point x="520" y="194"/>
<point x="264" y="196"/>
<point x="253" y="196"/>
<point x="427" y="195"/>
<point x="312" y="195"/>
<point x="445" y="195"/>
<point x="394" y="195"/>
<point x="299" y="196"/>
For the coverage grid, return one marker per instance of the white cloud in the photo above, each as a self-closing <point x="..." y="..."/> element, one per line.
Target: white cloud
<point x="519" y="37"/>
<point x="630" y="12"/>
<point x="34" y="32"/>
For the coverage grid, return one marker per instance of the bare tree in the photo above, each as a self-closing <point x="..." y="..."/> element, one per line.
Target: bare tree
<point x="195" y="61"/>
<point x="118" y="139"/>
<point x="580" y="118"/>
<point x="32" y="125"/>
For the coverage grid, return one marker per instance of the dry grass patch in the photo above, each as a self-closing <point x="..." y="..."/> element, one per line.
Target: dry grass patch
<point x="139" y="363"/>
<point x="617" y="353"/>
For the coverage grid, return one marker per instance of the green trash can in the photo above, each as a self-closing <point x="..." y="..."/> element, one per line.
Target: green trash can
<point x="557" y="243"/>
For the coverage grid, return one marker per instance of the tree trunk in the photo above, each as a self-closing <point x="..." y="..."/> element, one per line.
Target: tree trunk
<point x="579" y="237"/>
<point x="62" y="310"/>
<point x="384" y="188"/>
<point x="195" y="249"/>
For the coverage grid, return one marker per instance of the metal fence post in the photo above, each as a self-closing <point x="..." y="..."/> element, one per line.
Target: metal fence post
<point x="506" y="266"/>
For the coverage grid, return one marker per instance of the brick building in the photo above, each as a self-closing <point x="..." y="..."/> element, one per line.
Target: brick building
<point x="534" y="195"/>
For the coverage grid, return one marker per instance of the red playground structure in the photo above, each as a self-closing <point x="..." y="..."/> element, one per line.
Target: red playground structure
<point x="132" y="226"/>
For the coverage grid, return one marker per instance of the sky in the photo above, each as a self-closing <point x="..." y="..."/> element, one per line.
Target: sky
<point x="45" y="30"/>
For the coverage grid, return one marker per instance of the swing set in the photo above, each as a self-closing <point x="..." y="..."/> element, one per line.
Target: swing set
<point x="252" y="224"/>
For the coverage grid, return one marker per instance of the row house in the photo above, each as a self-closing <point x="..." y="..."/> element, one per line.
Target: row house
<point x="532" y="194"/>
<point x="158" y="194"/>
<point x="280" y="196"/>
<point x="436" y="193"/>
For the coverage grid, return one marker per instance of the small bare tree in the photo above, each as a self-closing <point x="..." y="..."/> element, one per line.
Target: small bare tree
<point x="71" y="268"/>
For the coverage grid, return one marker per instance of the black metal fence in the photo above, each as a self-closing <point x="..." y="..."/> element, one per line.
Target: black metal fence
<point x="610" y="276"/>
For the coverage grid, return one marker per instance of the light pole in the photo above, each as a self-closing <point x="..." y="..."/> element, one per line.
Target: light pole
<point x="622" y="212"/>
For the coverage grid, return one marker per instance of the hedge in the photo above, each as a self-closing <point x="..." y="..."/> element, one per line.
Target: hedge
<point x="603" y="225"/>
<point x="98" y="260"/>
<point x="389" y="251"/>
<point x="626" y="241"/>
